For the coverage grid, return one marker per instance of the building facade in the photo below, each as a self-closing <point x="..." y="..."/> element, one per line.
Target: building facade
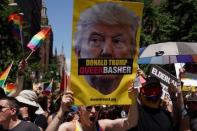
<point x="46" y="50"/>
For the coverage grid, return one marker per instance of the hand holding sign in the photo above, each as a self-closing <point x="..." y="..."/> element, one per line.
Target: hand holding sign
<point x="137" y="83"/>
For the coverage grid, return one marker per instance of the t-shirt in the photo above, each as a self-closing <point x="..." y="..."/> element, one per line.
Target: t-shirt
<point x="23" y="126"/>
<point x="193" y="120"/>
<point x="41" y="121"/>
<point x="153" y="120"/>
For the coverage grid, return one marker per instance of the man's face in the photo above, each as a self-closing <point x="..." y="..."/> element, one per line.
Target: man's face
<point x="151" y="96"/>
<point x="38" y="89"/>
<point x="151" y="102"/>
<point x="104" y="41"/>
<point x="89" y="114"/>
<point x="25" y="108"/>
<point x="5" y="112"/>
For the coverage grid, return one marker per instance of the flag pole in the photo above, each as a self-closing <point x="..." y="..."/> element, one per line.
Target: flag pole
<point x="29" y="55"/>
<point x="67" y="85"/>
<point x="21" y="37"/>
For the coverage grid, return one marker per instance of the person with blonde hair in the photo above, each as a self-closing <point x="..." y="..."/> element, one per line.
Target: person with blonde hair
<point x="88" y="117"/>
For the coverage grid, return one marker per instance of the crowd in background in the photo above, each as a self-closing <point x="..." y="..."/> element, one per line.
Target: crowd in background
<point x="36" y="110"/>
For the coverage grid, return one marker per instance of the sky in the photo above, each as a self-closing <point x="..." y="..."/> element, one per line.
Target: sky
<point x="60" y="18"/>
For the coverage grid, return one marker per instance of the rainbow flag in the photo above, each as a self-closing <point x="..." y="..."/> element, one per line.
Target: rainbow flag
<point x="38" y="39"/>
<point x="49" y="88"/>
<point x="47" y="91"/>
<point x="16" y="20"/>
<point x="10" y="88"/>
<point x="4" y="75"/>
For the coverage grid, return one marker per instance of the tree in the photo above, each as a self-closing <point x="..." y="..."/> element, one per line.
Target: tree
<point x="168" y="21"/>
<point x="9" y="45"/>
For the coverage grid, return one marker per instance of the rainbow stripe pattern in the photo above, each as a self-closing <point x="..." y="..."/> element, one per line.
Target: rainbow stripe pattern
<point x="38" y="39"/>
<point x="16" y="21"/>
<point x="10" y="88"/>
<point x="4" y="75"/>
<point x="49" y="88"/>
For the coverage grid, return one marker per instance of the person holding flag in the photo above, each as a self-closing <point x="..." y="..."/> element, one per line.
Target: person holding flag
<point x="13" y="89"/>
<point x="19" y="78"/>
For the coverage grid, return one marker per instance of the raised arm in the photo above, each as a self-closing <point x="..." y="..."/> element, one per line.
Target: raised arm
<point x="123" y="124"/>
<point x="19" y="78"/>
<point x="66" y="102"/>
<point x="185" y="121"/>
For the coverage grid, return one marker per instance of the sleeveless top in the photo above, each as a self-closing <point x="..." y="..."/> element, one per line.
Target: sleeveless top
<point x="78" y="127"/>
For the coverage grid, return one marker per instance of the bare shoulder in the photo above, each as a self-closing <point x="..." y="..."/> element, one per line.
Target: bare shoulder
<point x="67" y="126"/>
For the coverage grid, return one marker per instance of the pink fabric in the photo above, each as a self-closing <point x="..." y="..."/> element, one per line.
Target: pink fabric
<point x="142" y="80"/>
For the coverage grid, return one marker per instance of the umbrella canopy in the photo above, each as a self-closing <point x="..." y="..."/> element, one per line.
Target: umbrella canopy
<point x="168" y="53"/>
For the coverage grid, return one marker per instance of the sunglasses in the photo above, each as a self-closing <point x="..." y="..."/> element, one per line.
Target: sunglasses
<point x="2" y="107"/>
<point x="152" y="98"/>
<point x="74" y="108"/>
<point x="89" y="108"/>
<point x="153" y="91"/>
<point x="153" y="85"/>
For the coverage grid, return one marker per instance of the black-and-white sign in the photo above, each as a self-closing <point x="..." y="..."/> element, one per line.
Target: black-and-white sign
<point x="165" y="77"/>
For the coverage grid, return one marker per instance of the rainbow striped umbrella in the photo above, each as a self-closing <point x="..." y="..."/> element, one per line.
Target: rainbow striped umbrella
<point x="169" y="52"/>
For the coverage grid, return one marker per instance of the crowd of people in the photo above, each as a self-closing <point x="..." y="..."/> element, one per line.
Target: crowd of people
<point x="104" y="31"/>
<point x="33" y="110"/>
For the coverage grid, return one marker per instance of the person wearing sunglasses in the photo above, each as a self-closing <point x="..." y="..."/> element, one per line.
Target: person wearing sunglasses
<point x="9" y="121"/>
<point x="88" y="117"/>
<point x="152" y="116"/>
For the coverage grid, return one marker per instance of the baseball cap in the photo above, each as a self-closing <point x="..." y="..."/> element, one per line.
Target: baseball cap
<point x="152" y="87"/>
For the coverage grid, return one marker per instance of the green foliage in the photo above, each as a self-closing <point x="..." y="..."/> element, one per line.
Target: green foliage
<point x="9" y="45"/>
<point x="168" y="21"/>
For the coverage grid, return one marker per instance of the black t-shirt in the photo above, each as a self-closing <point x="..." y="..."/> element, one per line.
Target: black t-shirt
<point x="153" y="120"/>
<point x="41" y="121"/>
<point x="193" y="120"/>
<point x="23" y="126"/>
